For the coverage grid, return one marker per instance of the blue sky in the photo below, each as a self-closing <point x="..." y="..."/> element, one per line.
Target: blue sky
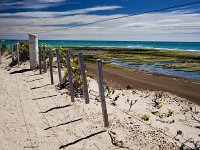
<point x="20" y="17"/>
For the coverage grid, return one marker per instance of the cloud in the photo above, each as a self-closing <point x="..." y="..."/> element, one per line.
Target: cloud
<point x="165" y="26"/>
<point x="45" y="14"/>
<point x="29" y="4"/>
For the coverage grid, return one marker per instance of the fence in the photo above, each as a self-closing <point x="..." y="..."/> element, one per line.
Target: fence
<point x="85" y="88"/>
<point x="12" y="53"/>
<point x="44" y="54"/>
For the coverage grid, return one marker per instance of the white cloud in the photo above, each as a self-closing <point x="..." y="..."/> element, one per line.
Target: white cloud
<point x="45" y="14"/>
<point x="29" y="4"/>
<point x="165" y="26"/>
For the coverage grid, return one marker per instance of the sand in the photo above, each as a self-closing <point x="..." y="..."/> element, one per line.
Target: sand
<point x="119" y="78"/>
<point x="36" y="115"/>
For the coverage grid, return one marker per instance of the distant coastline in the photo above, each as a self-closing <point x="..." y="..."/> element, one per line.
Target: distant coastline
<point x="183" y="46"/>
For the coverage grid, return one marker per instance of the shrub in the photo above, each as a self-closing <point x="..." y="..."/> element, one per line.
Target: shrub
<point x="76" y="75"/>
<point x="3" y="47"/>
<point x="23" y="51"/>
<point x="145" y="117"/>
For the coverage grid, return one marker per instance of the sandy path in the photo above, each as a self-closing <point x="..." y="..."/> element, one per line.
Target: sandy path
<point x="34" y="115"/>
<point x="138" y="80"/>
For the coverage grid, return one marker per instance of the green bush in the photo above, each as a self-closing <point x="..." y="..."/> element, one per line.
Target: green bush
<point x="145" y="117"/>
<point x="24" y="51"/>
<point x="3" y="47"/>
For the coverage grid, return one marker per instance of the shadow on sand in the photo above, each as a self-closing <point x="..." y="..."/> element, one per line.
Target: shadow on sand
<point x="63" y="124"/>
<point x="35" y="99"/>
<point x="89" y="136"/>
<point x="58" y="107"/>
<point x="39" y="87"/>
<point x="35" y="79"/>
<point x="20" y="71"/>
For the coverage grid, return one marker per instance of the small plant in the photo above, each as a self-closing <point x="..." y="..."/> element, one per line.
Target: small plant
<point x="108" y="90"/>
<point x="169" y="113"/>
<point x="156" y="101"/>
<point x="162" y="104"/>
<point x="128" y="87"/>
<point x="116" y="97"/>
<point x="114" y="100"/>
<point x="145" y="117"/>
<point x="134" y="91"/>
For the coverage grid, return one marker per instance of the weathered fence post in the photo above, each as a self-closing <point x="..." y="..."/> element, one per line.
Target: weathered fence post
<point x="59" y="66"/>
<point x="44" y="60"/>
<point x="101" y="92"/>
<point x="84" y="79"/>
<point x="33" y="51"/>
<point x="18" y="60"/>
<point x="40" y="60"/>
<point x="51" y="66"/>
<point x="71" y="87"/>
<point x="12" y="53"/>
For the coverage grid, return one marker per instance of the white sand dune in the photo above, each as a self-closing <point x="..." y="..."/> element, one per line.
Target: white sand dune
<point x="35" y="115"/>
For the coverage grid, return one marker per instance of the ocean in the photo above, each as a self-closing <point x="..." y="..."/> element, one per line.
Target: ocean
<point x="185" y="46"/>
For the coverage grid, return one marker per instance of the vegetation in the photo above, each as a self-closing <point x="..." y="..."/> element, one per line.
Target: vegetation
<point x="182" y="65"/>
<point x="190" y="61"/>
<point x="191" y="69"/>
<point x="145" y="117"/>
<point x="3" y="48"/>
<point x="148" y="52"/>
<point x="23" y="52"/>
<point x="76" y="73"/>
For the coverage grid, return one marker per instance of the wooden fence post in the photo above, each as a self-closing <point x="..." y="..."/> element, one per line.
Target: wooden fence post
<point x="51" y="66"/>
<point x="18" y="59"/>
<point x="33" y="51"/>
<point x="40" y="60"/>
<point x="71" y="87"/>
<point x="12" y="53"/>
<point x="101" y="92"/>
<point x="44" y="60"/>
<point x="59" y="66"/>
<point x="84" y="79"/>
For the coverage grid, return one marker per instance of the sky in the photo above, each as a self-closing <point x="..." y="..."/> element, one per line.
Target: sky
<point x="52" y="19"/>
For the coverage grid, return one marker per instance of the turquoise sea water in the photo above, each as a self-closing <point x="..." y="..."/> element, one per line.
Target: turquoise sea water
<point x="186" y="46"/>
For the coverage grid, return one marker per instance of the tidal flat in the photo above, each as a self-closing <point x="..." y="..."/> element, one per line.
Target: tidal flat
<point x="185" y="64"/>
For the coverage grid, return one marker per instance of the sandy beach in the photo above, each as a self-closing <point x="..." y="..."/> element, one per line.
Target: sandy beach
<point x="36" y="115"/>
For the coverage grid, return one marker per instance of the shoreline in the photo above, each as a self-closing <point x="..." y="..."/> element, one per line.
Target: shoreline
<point x="179" y="64"/>
<point x="153" y="82"/>
<point x="196" y="81"/>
